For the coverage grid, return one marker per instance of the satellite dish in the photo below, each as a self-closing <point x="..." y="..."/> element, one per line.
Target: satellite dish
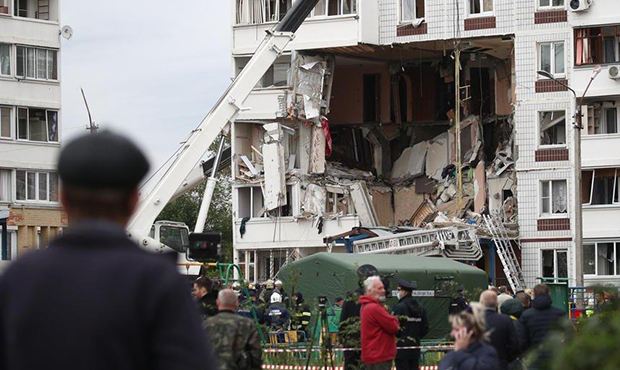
<point x="66" y="32"/>
<point x="365" y="271"/>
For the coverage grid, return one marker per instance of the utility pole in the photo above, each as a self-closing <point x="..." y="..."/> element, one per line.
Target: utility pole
<point x="457" y="125"/>
<point x="92" y="127"/>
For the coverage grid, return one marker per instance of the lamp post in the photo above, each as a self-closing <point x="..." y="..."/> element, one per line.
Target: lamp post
<point x="577" y="171"/>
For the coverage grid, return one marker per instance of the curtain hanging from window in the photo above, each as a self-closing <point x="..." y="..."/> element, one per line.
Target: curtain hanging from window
<point x="5" y="185"/>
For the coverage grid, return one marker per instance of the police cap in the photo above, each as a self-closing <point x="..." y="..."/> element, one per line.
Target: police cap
<point x="407" y="285"/>
<point x="103" y="160"/>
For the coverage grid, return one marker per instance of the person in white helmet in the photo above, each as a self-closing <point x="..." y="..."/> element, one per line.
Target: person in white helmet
<point x="278" y="317"/>
<point x="280" y="289"/>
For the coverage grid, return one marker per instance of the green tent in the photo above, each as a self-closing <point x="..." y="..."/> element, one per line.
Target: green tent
<point x="437" y="278"/>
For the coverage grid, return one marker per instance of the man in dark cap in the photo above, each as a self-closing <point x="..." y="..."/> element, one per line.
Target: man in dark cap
<point x="94" y="299"/>
<point x="414" y="326"/>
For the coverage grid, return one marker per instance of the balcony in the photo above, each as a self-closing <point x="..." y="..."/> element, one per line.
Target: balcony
<point x="264" y="104"/>
<point x="600" y="140"/>
<point x="35" y="94"/>
<point x="17" y="31"/>
<point x="340" y="23"/>
<point x="600" y="221"/>
<point x="43" y="10"/>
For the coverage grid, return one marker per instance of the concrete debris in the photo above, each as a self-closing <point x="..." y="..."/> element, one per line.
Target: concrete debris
<point x="275" y="170"/>
<point x="437" y="156"/>
<point x="411" y="163"/>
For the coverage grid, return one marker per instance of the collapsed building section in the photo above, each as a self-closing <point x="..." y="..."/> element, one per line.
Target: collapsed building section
<point x="361" y="155"/>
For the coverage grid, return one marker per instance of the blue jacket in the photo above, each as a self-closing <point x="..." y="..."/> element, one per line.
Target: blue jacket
<point x="478" y="356"/>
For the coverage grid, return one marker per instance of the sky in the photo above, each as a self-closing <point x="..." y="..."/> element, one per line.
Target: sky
<point x="149" y="70"/>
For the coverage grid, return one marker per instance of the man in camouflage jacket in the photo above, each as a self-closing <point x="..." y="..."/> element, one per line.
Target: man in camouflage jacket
<point x="234" y="338"/>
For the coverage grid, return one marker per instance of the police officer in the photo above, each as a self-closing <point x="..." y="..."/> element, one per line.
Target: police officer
<point x="93" y="298"/>
<point x="415" y="328"/>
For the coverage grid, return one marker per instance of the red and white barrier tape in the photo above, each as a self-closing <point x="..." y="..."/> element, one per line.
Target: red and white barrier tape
<point x="337" y="349"/>
<point x="301" y="367"/>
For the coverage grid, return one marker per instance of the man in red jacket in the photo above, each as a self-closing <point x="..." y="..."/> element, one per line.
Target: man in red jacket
<point x="378" y="327"/>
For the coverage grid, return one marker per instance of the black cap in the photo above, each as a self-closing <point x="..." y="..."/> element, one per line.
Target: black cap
<point x="103" y="160"/>
<point x="407" y="285"/>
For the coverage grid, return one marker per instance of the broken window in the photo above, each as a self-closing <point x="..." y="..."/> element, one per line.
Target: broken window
<point x="276" y="75"/>
<point x="37" y="63"/>
<point x="602" y="119"/>
<point x="480" y="6"/>
<point x="550" y="3"/>
<point x="602" y="258"/>
<point x="334" y="7"/>
<point x="597" y="45"/>
<point x="552" y="127"/>
<point x="261" y="11"/>
<point x="5" y="59"/>
<point x="551" y="57"/>
<point x="250" y="202"/>
<point x="411" y="10"/>
<point x="37" y="186"/>
<point x="555" y="263"/>
<point x="600" y="186"/>
<point x="37" y="124"/>
<point x="338" y="201"/>
<point x="553" y="199"/>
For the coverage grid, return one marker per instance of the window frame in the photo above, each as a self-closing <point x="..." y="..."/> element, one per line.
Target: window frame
<point x="47" y="127"/>
<point x="596" y="275"/>
<point x="37" y="173"/>
<point x="541" y="214"/>
<point x="10" y="48"/>
<point x="591" y="122"/>
<point x="550" y="6"/>
<point x="399" y="11"/>
<point x="11" y="123"/>
<point x="556" y="251"/>
<point x="551" y="59"/>
<point x="538" y="125"/>
<point x="341" y="12"/>
<point x="614" y="202"/>
<point x="482" y="12"/>
<point x="11" y="192"/>
<point x="36" y="69"/>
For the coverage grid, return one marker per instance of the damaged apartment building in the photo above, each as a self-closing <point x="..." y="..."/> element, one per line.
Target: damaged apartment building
<point x="407" y="126"/>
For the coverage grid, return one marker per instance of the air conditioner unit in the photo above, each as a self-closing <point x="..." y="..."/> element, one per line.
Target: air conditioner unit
<point x="579" y="5"/>
<point x="614" y="72"/>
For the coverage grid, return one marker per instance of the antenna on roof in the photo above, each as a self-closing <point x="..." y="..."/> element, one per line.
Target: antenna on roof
<point x="92" y="125"/>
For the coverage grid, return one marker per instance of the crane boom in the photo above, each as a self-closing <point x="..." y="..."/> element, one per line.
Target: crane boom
<point x="193" y="150"/>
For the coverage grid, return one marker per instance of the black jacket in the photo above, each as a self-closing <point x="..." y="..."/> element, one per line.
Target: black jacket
<point x="502" y="336"/>
<point x="414" y="329"/>
<point x="95" y="300"/>
<point x="478" y="356"/>
<point x="538" y="320"/>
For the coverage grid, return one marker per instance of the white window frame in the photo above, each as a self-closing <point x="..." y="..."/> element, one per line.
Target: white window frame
<point x="555" y="262"/>
<point x="46" y="125"/>
<point x="541" y="215"/>
<point x="402" y="20"/>
<point x="601" y="106"/>
<point x="11" y="186"/>
<point x="11" y="62"/>
<point x="326" y="10"/>
<point x="616" y="244"/>
<point x="538" y="125"/>
<point x="552" y="58"/>
<point x="36" y="74"/>
<point x="36" y="187"/>
<point x="482" y="12"/>
<point x="550" y="6"/>
<point x="11" y="123"/>
<point x="613" y="203"/>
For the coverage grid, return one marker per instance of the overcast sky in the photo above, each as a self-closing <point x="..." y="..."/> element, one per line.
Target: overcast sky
<point x="150" y="69"/>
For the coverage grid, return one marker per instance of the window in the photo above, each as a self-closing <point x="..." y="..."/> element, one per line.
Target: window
<point x="5" y="123"/>
<point x="597" y="45"/>
<point x="553" y="199"/>
<point x="261" y="11"/>
<point x="276" y="75"/>
<point x="37" y="63"/>
<point x="5" y="185"/>
<point x="5" y="59"/>
<point x="600" y="186"/>
<point x="479" y="6"/>
<point x="334" y="7"/>
<point x="36" y="186"/>
<point x="552" y="127"/>
<point x="411" y="10"/>
<point x="601" y="258"/>
<point x="551" y="58"/>
<point x="602" y="118"/>
<point x="36" y="124"/>
<point x="550" y="3"/>
<point x="555" y="263"/>
<point x="4" y="6"/>
<point x="175" y="237"/>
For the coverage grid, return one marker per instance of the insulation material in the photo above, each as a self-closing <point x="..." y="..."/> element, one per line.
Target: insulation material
<point x="480" y="188"/>
<point x="310" y="77"/>
<point x="382" y="201"/>
<point x="317" y="151"/>
<point x="315" y="199"/>
<point x="274" y="167"/>
<point x="363" y="204"/>
<point x="411" y="163"/>
<point x="437" y="156"/>
<point x="406" y="200"/>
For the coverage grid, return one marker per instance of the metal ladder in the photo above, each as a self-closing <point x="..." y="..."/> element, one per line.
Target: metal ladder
<point x="457" y="242"/>
<point x="506" y="253"/>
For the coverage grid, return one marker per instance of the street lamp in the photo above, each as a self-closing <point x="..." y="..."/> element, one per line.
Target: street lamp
<point x="577" y="168"/>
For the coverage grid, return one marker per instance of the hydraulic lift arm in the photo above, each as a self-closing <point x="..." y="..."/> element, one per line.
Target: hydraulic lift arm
<point x="223" y="112"/>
